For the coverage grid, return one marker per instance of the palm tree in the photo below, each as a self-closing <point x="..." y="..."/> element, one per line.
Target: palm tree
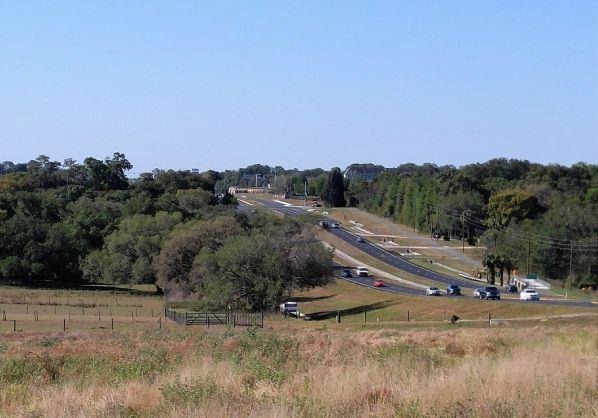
<point x="489" y="262"/>
<point x="500" y="265"/>
<point x="509" y="266"/>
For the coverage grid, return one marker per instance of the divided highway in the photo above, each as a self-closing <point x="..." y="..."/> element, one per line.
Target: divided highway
<point x="377" y="252"/>
<point x="392" y="260"/>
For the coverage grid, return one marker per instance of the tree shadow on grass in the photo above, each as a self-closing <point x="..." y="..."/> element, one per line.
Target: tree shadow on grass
<point x="108" y="288"/>
<point x="323" y="315"/>
<point x="309" y="298"/>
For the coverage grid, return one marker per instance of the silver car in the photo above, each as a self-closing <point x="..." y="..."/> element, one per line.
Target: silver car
<point x="433" y="291"/>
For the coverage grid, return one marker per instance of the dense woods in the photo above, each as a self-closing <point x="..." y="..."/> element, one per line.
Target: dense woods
<point x="539" y="218"/>
<point x="65" y="224"/>
<point x="70" y="223"/>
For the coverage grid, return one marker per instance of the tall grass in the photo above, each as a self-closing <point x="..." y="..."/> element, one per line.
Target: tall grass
<point x="530" y="371"/>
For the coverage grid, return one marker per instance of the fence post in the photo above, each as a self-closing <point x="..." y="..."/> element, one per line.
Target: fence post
<point x="132" y="317"/>
<point x="208" y="320"/>
<point x="14" y="325"/>
<point x="234" y="320"/>
<point x="365" y="315"/>
<point x="443" y="314"/>
<point x="408" y="315"/>
<point x="338" y="317"/>
<point x="27" y="308"/>
<point x="112" y="324"/>
<point x="262" y="318"/>
<point x="99" y="316"/>
<point x="54" y="309"/>
<point x="160" y="323"/>
<point x="489" y="319"/>
<point x="64" y="324"/>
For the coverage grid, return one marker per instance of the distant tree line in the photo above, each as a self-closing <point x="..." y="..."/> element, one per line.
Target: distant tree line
<point x="538" y="218"/>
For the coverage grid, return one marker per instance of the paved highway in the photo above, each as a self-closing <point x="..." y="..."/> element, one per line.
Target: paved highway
<point x="395" y="261"/>
<point x="377" y="252"/>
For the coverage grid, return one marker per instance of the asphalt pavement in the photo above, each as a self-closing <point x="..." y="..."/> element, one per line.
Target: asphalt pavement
<point x="396" y="261"/>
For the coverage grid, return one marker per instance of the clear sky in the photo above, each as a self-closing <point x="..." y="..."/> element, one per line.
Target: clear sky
<point x="218" y="84"/>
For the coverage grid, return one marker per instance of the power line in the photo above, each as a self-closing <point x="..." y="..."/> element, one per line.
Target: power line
<point x="563" y="244"/>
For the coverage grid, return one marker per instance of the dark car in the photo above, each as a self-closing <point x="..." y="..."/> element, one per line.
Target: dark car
<point x="324" y="224"/>
<point x="491" y="292"/>
<point x="453" y="289"/>
<point x="511" y="288"/>
<point x="346" y="273"/>
<point x="360" y="239"/>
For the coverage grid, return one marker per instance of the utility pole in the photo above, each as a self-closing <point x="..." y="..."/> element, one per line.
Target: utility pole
<point x="305" y="191"/>
<point x="528" y="255"/>
<point x="570" y="263"/>
<point x="437" y="222"/>
<point x="463" y="230"/>
<point x="413" y="215"/>
<point x="429" y="222"/>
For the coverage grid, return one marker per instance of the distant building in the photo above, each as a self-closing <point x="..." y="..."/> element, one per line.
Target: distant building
<point x="363" y="172"/>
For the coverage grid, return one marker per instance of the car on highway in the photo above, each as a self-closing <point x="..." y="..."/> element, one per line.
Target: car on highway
<point x="454" y="290"/>
<point x="334" y="225"/>
<point x="433" y="291"/>
<point x="316" y="205"/>
<point x="346" y="273"/>
<point x="529" y="294"/>
<point x="360" y="239"/>
<point x="488" y="292"/>
<point x="324" y="224"/>
<point x="511" y="288"/>
<point x="362" y="272"/>
<point x="379" y="283"/>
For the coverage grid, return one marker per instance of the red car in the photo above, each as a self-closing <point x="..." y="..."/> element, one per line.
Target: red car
<point x="379" y="283"/>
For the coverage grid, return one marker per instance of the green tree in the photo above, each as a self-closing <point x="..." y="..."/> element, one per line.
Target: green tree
<point x="333" y="189"/>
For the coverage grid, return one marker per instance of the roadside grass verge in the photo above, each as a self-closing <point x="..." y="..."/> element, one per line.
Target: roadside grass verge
<point x="352" y="300"/>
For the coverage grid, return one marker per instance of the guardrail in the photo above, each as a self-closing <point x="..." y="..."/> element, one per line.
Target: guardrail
<point x="241" y="319"/>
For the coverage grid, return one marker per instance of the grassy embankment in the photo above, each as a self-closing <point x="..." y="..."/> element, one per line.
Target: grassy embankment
<point x="322" y="371"/>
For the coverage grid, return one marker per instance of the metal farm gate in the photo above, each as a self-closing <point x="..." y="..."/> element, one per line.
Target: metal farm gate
<point x="208" y="319"/>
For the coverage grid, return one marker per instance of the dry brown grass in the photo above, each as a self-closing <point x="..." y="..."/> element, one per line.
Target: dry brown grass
<point x="533" y="371"/>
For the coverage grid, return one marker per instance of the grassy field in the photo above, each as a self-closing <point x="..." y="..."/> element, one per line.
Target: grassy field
<point x="352" y="300"/>
<point x="384" y="367"/>
<point x="100" y="309"/>
<point x="312" y="371"/>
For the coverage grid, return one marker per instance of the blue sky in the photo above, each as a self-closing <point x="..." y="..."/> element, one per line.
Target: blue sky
<point x="217" y="84"/>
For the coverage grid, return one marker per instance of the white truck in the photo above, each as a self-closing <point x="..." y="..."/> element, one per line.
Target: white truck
<point x="362" y="272"/>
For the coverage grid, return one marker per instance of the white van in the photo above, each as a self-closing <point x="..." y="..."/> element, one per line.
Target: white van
<point x="289" y="307"/>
